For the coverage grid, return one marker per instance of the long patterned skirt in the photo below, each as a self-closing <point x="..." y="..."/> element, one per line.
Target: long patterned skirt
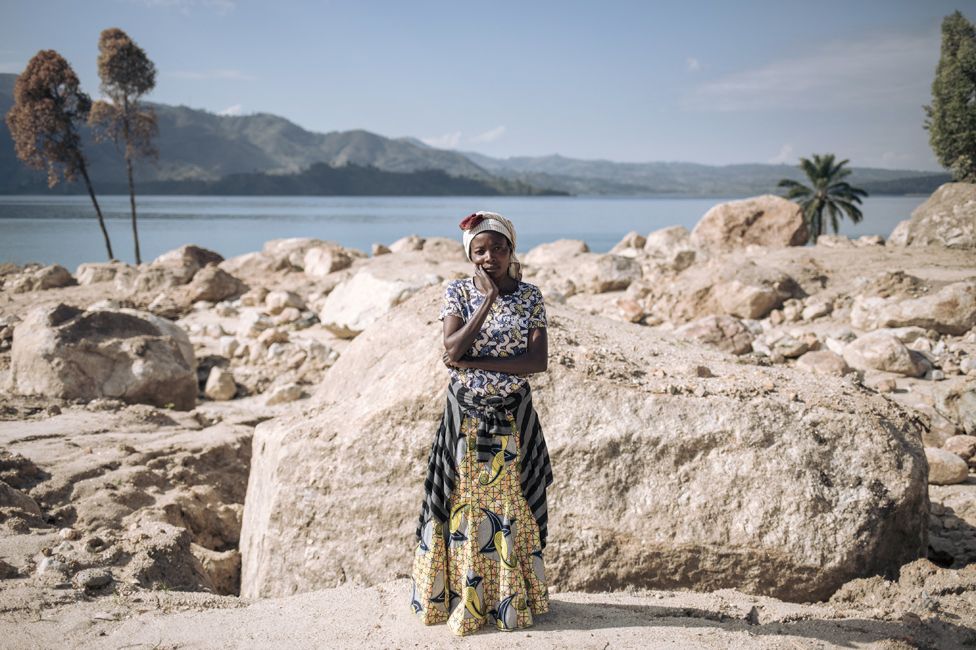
<point x="489" y="568"/>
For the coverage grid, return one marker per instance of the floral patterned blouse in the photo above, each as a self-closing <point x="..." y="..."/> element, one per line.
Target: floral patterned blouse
<point x="505" y="332"/>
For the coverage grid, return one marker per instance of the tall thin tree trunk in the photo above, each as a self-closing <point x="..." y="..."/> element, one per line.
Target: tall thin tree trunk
<point x="98" y="210"/>
<point x="132" y="205"/>
<point x="128" y="169"/>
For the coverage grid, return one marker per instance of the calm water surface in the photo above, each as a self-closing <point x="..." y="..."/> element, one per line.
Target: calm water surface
<point x="63" y="229"/>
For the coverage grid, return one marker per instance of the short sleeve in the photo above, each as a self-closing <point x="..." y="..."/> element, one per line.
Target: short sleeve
<point x="452" y="302"/>
<point x="537" y="311"/>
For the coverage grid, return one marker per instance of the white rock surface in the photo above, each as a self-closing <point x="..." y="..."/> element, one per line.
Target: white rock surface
<point x="950" y="310"/>
<point x="356" y="303"/>
<point x="702" y="489"/>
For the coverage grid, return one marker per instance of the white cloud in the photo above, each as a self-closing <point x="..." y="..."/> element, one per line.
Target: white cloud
<point x="446" y="141"/>
<point x="488" y="136"/>
<point x="231" y="110"/>
<point x="208" y="75"/>
<point x="694" y="65"/>
<point x="785" y="155"/>
<point x="894" y="69"/>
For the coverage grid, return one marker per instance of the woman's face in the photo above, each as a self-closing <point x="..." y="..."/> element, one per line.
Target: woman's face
<point x="491" y="251"/>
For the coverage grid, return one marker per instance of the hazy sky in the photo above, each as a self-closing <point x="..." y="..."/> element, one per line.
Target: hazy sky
<point x="712" y="82"/>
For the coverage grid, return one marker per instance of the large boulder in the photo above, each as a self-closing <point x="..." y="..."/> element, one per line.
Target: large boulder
<point x="722" y="285"/>
<point x="185" y="261"/>
<point x="881" y="350"/>
<point x="595" y="273"/>
<point x="556" y="253"/>
<point x="720" y="479"/>
<point x="950" y="310"/>
<point x="947" y="218"/>
<point x="320" y="261"/>
<point x="65" y="352"/>
<point x="48" y="277"/>
<point x="93" y="272"/>
<point x="358" y="301"/>
<point x="766" y="220"/>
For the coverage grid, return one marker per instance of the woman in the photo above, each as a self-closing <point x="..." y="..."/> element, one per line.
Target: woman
<point x="482" y="526"/>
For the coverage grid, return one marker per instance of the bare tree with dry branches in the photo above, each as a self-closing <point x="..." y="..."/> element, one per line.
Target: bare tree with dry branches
<point x="127" y="74"/>
<point x="48" y="106"/>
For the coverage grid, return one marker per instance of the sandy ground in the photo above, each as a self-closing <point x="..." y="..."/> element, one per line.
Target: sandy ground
<point x="379" y="617"/>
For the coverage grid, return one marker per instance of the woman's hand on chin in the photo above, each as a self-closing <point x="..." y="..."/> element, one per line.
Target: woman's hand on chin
<point x="487" y="284"/>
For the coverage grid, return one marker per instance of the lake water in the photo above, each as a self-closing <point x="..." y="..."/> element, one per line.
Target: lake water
<point x="64" y="230"/>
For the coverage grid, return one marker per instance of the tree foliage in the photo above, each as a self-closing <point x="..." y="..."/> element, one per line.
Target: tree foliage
<point x="126" y="75"/>
<point x="828" y="192"/>
<point x="951" y="117"/>
<point x="48" y="107"/>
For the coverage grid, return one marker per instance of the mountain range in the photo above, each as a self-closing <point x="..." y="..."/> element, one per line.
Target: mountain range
<point x="204" y="153"/>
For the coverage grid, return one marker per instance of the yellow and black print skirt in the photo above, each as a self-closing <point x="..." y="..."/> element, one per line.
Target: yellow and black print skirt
<point x="488" y="567"/>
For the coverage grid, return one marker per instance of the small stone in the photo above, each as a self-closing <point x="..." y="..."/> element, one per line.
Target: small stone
<point x="273" y="335"/>
<point x="284" y="394"/>
<point x="287" y="315"/>
<point x="934" y="374"/>
<point x="68" y="533"/>
<point x="380" y="249"/>
<point x="769" y="386"/>
<point x="962" y="446"/>
<point x="702" y="371"/>
<point x="277" y="301"/>
<point x="90" y="579"/>
<point x="220" y="385"/>
<point x="8" y="571"/>
<point x="630" y="310"/>
<point x="228" y="346"/>
<point x="945" y="468"/>
<point x="95" y="544"/>
<point x="886" y="386"/>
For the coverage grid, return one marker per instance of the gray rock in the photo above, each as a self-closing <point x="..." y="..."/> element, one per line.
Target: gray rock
<point x="945" y="468"/>
<point x="963" y="446"/>
<point x="49" y="277"/>
<point x="951" y="310"/>
<point x="92" y="579"/>
<point x="881" y="351"/>
<point x="723" y="332"/>
<point x="947" y="218"/>
<point x="65" y="352"/>
<point x="823" y="362"/>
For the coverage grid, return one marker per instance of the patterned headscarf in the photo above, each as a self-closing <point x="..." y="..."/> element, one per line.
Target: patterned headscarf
<point x="482" y="221"/>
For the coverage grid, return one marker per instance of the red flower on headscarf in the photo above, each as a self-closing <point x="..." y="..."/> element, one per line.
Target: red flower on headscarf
<point x="471" y="221"/>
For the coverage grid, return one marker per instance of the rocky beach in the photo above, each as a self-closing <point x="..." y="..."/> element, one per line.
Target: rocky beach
<point x="210" y="452"/>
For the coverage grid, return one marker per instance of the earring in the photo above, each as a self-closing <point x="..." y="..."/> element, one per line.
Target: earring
<point x="515" y="270"/>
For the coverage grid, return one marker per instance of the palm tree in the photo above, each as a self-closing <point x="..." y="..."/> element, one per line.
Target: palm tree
<point x="829" y="192"/>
